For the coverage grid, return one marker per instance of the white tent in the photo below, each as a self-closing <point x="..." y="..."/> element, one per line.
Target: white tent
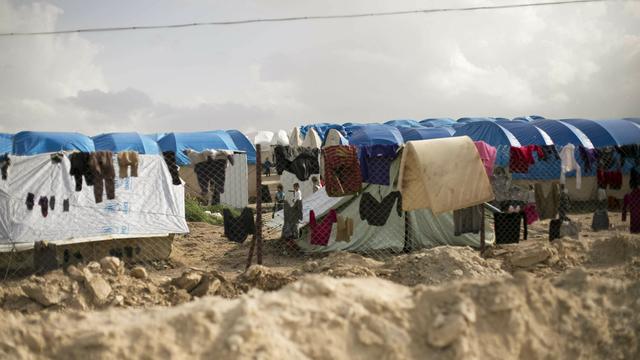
<point x="312" y="140"/>
<point x="295" y="139"/>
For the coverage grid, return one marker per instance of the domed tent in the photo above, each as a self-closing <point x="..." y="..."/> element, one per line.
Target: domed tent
<point x="334" y="137"/>
<point x="155" y="136"/>
<point x="35" y="142"/>
<point x="466" y="120"/>
<point x="312" y="139"/>
<point x="375" y="134"/>
<point x="438" y="122"/>
<point x="296" y="138"/>
<point x="526" y="133"/>
<point x="130" y="141"/>
<point x="235" y="192"/>
<point x="634" y="120"/>
<point x="562" y="133"/>
<point x="280" y="138"/>
<point x="608" y="132"/>
<point x="321" y="129"/>
<point x="424" y="133"/>
<point x="488" y="131"/>
<point x="243" y="144"/>
<point x="6" y="143"/>
<point x="404" y="123"/>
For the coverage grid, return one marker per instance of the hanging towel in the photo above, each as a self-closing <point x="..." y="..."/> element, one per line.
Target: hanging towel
<point x="568" y="163"/>
<point x="344" y="229"/>
<point x="320" y="232"/>
<point x="487" y="154"/>
<point x="341" y="170"/>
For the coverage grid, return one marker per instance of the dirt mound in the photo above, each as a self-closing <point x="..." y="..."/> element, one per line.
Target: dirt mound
<point x="440" y="265"/>
<point x="614" y="250"/>
<point x="343" y="264"/>
<point x="323" y="317"/>
<point x="263" y="278"/>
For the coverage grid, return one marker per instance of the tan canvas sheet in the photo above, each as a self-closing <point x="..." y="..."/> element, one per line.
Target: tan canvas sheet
<point x="442" y="175"/>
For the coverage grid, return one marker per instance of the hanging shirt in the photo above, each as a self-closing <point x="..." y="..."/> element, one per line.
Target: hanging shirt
<point x="302" y="162"/>
<point x="589" y="158"/>
<point x="568" y="163"/>
<point x="238" y="228"/>
<point x="341" y="170"/>
<point x="520" y="158"/>
<point x="376" y="212"/>
<point x="320" y="232"/>
<point x="631" y="204"/>
<point x="487" y="154"/>
<point x="375" y="162"/>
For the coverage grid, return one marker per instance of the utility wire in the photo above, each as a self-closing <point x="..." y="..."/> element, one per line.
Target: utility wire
<point x="300" y="18"/>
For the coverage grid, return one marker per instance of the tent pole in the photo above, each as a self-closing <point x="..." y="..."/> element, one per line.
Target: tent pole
<point x="482" y="230"/>
<point x="258" y="234"/>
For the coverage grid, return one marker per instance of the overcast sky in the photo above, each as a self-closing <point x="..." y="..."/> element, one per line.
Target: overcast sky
<point x="562" y="61"/>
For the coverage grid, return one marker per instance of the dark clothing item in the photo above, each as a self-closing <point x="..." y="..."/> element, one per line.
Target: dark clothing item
<point x="609" y="179"/>
<point x="554" y="229"/>
<point x="31" y="199"/>
<point x="631" y="152"/>
<point x="211" y="175"/>
<point x="104" y="175"/>
<point x="547" y="205"/>
<point x="44" y="257"/>
<point x="65" y="205"/>
<point x="44" y="205"/>
<point x="5" y="162"/>
<point x="57" y="158"/>
<point x="292" y="215"/>
<point x="631" y="204"/>
<point x="52" y="202"/>
<point x="320" y="232"/>
<point x="170" y="160"/>
<point x="634" y="178"/>
<point x="126" y="160"/>
<point x="589" y="157"/>
<point x="507" y="227"/>
<point x="375" y="162"/>
<point x="564" y="205"/>
<point x="600" y="220"/>
<point x="238" y="228"/>
<point x="547" y="152"/>
<point x="376" y="212"/>
<point x="265" y="194"/>
<point x="303" y="162"/>
<point x="80" y="168"/>
<point x="606" y="158"/>
<point x="467" y="220"/>
<point x="341" y="170"/>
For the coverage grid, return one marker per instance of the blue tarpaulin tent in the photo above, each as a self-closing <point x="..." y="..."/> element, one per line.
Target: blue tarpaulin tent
<point x="197" y="141"/>
<point x="156" y="136"/>
<point x="424" y="133"/>
<point x="35" y="142"/>
<point x="6" y="143"/>
<point x="404" y="123"/>
<point x="117" y="142"/>
<point x="242" y="143"/>
<point x="634" y="120"/>
<point x="526" y="133"/>
<point x="563" y="133"/>
<point x="466" y="120"/>
<point x="488" y="131"/>
<point x="375" y="134"/>
<point x="438" y="122"/>
<point x="608" y="132"/>
<point x="321" y="129"/>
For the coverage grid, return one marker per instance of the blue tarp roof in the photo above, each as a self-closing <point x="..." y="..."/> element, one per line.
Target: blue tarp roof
<point x="563" y="133"/>
<point x="117" y="142"/>
<point x="197" y="141"/>
<point x="374" y="134"/>
<point x="438" y="122"/>
<point x="488" y="131"/>
<point x="635" y="120"/>
<point x="156" y="136"/>
<point x="242" y="143"/>
<point x="6" y="143"/>
<point x="608" y="132"/>
<point x="404" y="123"/>
<point x="526" y="133"/>
<point x="465" y="120"/>
<point x="35" y="142"/>
<point x="321" y="129"/>
<point x="424" y="133"/>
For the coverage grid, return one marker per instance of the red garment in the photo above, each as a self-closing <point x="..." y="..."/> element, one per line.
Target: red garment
<point x="342" y="174"/>
<point x="531" y="213"/>
<point x="321" y="232"/>
<point x="632" y="204"/>
<point x="611" y="179"/>
<point x="487" y="154"/>
<point x="522" y="157"/>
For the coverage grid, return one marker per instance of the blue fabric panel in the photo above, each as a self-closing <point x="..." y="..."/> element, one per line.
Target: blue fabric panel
<point x="131" y="141"/>
<point x="374" y="134"/>
<point x="197" y="141"/>
<point x="635" y="120"/>
<point x="242" y="143"/>
<point x="438" y="122"/>
<point x="526" y="133"/>
<point x="607" y="132"/>
<point x="489" y="132"/>
<point x="34" y="142"/>
<point x="404" y="123"/>
<point x="155" y="136"/>
<point x="6" y="143"/>
<point x="465" y="120"/>
<point x="424" y="133"/>
<point x="563" y="133"/>
<point x="321" y="129"/>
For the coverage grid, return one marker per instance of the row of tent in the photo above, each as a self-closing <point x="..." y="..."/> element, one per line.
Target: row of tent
<point x="531" y="130"/>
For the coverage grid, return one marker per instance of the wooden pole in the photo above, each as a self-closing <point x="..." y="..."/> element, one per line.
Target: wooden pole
<point x="258" y="234"/>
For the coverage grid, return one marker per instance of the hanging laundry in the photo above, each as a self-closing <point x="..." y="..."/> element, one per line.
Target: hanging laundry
<point x="568" y="163"/>
<point x="44" y="205"/>
<point x="292" y="216"/>
<point x="104" y="175"/>
<point x="211" y="175"/>
<point x="507" y="227"/>
<point x="609" y="179"/>
<point x="600" y="220"/>
<point x="5" y="162"/>
<point x="238" y="228"/>
<point x="170" y="160"/>
<point x="547" y="152"/>
<point x="377" y="212"/>
<point x="547" y="204"/>
<point x="200" y="156"/>
<point x="52" y="202"/>
<point x="530" y="209"/>
<point x="320" y="232"/>
<point x="341" y="170"/>
<point x="634" y="178"/>
<point x="487" y="154"/>
<point x="302" y="162"/>
<point x="631" y="152"/>
<point x="375" y="162"/>
<point x="65" y="205"/>
<point x="520" y="158"/>
<point x="554" y="229"/>
<point x="80" y="168"/>
<point x="344" y="229"/>
<point x="589" y="157"/>
<point x="467" y="220"/>
<point x="30" y="202"/>
<point x="606" y="157"/>
<point x="128" y="159"/>
<point x="631" y="204"/>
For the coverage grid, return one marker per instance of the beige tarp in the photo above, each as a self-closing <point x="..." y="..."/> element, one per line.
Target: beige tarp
<point x="442" y="175"/>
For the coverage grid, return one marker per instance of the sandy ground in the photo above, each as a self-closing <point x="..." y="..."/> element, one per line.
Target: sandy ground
<point x="570" y="298"/>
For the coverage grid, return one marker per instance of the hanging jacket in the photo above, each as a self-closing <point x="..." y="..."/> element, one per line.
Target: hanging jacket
<point x="101" y="165"/>
<point x="238" y="228"/>
<point x="341" y="170"/>
<point x="520" y="158"/>
<point x="631" y="204"/>
<point x="568" y="163"/>
<point x="375" y="162"/>
<point x="320" y="232"/>
<point x="375" y="212"/>
<point x="302" y="162"/>
<point x="170" y="160"/>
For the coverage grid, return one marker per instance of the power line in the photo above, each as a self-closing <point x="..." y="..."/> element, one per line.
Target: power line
<point x="300" y="18"/>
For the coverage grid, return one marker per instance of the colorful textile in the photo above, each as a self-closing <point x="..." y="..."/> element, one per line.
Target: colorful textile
<point x="568" y="163"/>
<point x="631" y="204"/>
<point x="521" y="158"/>
<point x="320" y="232"/>
<point x="531" y="213"/>
<point x="375" y="162"/>
<point x="487" y="154"/>
<point x="341" y="170"/>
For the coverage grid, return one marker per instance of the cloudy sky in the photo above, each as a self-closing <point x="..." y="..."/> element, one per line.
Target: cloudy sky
<point x="562" y="61"/>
